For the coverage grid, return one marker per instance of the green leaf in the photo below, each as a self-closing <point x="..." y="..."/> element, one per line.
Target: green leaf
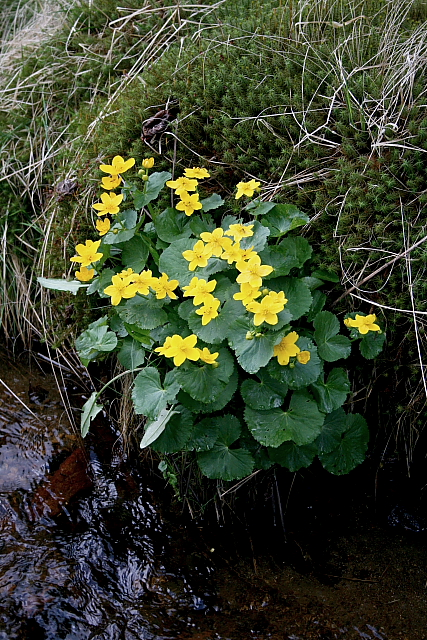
<point x="297" y="293"/>
<point x="330" y="436"/>
<point x="135" y="254"/>
<point x="299" y="375"/>
<point x="128" y="218"/>
<point x="62" y="285"/>
<point x="200" y="225"/>
<point x="267" y="394"/>
<point x="293" y="456"/>
<point x="140" y="335"/>
<point x="205" y="383"/>
<point x="253" y="353"/>
<point x="323" y="274"/>
<point x="291" y="253"/>
<point x="177" y="432"/>
<point x="131" y="354"/>
<point x="204" y="436"/>
<point x="144" y="313"/>
<point x="372" y="344"/>
<point x="148" y="395"/>
<point x="258" y="208"/>
<point x="153" y="186"/>
<point x="352" y="447"/>
<point x="216" y="330"/>
<point x="283" y="218"/>
<point x="213" y="202"/>
<point x="96" y="339"/>
<point x="330" y="345"/>
<point x="172" y="225"/>
<point x="319" y="299"/>
<point x="225" y="464"/>
<point x="122" y="235"/>
<point x="302" y="422"/>
<point x="221" y="400"/>
<point x="155" y="428"/>
<point x="332" y="394"/>
<point x="221" y="462"/>
<point x="259" y="238"/>
<point x="89" y="412"/>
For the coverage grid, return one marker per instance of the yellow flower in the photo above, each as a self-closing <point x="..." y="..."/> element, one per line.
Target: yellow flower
<point x="148" y="163"/>
<point x="127" y="272"/>
<point x="247" y="293"/>
<point x="121" y="288"/>
<point x="117" y="166"/>
<point x="110" y="203"/>
<point x="87" y="253"/>
<point x="180" y="349"/>
<point x="143" y="281"/>
<point x="287" y="348"/>
<point x="247" y="254"/>
<point x="276" y="297"/>
<point x="239" y="231"/>
<point x="252" y="271"/>
<point x="200" y="289"/>
<point x="198" y="256"/>
<point x="363" y="323"/>
<point x="216" y="242"/>
<point x="247" y="189"/>
<point x="207" y="356"/>
<point x="103" y="226"/>
<point x="85" y="274"/>
<point x="111" y="182"/>
<point x="181" y="185"/>
<point x="209" y="311"/>
<point x="164" y="350"/>
<point x="233" y="253"/>
<point x="303" y="357"/>
<point x="188" y="203"/>
<point x="266" y="310"/>
<point x="196" y="172"/>
<point x="164" y="287"/>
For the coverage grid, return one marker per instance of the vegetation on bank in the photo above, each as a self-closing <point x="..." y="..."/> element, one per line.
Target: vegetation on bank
<point x="324" y="104"/>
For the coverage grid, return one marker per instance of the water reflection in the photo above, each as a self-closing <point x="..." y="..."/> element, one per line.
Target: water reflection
<point x="100" y="569"/>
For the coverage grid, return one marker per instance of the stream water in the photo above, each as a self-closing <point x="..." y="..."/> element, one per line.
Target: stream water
<point x="93" y="546"/>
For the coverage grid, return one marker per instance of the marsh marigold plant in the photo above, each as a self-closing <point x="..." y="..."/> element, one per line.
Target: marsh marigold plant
<point x="221" y="321"/>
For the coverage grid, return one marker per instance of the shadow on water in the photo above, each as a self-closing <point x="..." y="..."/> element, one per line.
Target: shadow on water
<point x="92" y="548"/>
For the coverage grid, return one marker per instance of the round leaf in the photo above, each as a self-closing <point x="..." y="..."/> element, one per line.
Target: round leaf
<point x="352" y="447"/>
<point x="331" y="394"/>
<point x="149" y="396"/>
<point x="302" y="422"/>
<point x="330" y="345"/>
<point x="292" y="456"/>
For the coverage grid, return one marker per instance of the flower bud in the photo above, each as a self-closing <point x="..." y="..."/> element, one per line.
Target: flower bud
<point x="215" y="364"/>
<point x="115" y="231"/>
<point x="250" y="335"/>
<point x="258" y="335"/>
<point x="141" y="172"/>
<point x="145" y="177"/>
<point x="292" y="365"/>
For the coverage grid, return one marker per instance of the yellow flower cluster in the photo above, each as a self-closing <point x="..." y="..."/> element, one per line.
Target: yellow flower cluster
<point x="182" y="349"/>
<point x="127" y="284"/>
<point x="189" y="203"/>
<point x="218" y="243"/>
<point x="248" y="263"/>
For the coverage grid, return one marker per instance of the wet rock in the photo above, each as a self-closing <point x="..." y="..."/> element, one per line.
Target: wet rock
<point x="71" y="478"/>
